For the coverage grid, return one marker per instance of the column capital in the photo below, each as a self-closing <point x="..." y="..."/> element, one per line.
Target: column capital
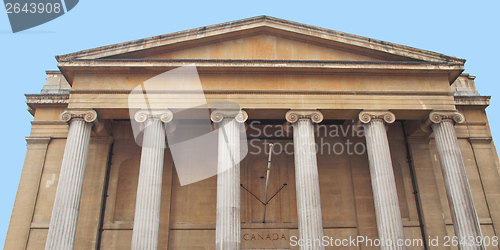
<point x="437" y="116"/>
<point x="89" y="115"/>
<point x="366" y="116"/>
<point x="294" y="115"/>
<point x="220" y="114"/>
<point x="164" y="115"/>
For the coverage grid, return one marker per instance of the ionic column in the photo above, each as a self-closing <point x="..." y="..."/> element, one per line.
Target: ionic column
<point x="306" y="176"/>
<point x="228" y="222"/>
<point x="147" y="205"/>
<point x="463" y="211"/>
<point x="62" y="227"/>
<point x="388" y="214"/>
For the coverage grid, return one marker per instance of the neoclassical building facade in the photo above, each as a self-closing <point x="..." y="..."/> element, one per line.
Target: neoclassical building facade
<point x="316" y="139"/>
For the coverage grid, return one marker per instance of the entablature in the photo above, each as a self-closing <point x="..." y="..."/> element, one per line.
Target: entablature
<point x="147" y="66"/>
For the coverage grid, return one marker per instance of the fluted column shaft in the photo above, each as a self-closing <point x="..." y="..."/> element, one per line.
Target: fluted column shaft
<point x="147" y="206"/>
<point x="463" y="211"/>
<point x="228" y="221"/>
<point x="387" y="211"/>
<point x="62" y="229"/>
<point x="310" y="221"/>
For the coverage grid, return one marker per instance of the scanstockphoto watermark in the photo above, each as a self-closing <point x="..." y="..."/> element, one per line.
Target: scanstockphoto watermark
<point x="330" y="139"/>
<point x="26" y="14"/>
<point x="357" y="241"/>
<point x="366" y="241"/>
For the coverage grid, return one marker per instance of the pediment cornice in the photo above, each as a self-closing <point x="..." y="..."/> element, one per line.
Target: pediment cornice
<point x="267" y="24"/>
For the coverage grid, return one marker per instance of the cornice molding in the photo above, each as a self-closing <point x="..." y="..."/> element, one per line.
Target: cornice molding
<point x="258" y="64"/>
<point x="472" y="101"/>
<point x="35" y="100"/>
<point x="47" y="98"/>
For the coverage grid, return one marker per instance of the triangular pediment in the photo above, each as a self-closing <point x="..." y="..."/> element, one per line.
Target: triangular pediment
<point x="261" y="37"/>
<point x="266" y="46"/>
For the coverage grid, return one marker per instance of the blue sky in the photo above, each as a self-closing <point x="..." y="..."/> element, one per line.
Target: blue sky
<point x="466" y="30"/>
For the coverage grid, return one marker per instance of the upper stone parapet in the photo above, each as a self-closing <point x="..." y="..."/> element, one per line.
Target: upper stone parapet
<point x="464" y="86"/>
<point x="55" y="84"/>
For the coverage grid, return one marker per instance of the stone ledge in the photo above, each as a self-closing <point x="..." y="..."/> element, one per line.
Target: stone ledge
<point x="472" y="101"/>
<point x="482" y="221"/>
<point x="40" y="225"/>
<point x="35" y="100"/>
